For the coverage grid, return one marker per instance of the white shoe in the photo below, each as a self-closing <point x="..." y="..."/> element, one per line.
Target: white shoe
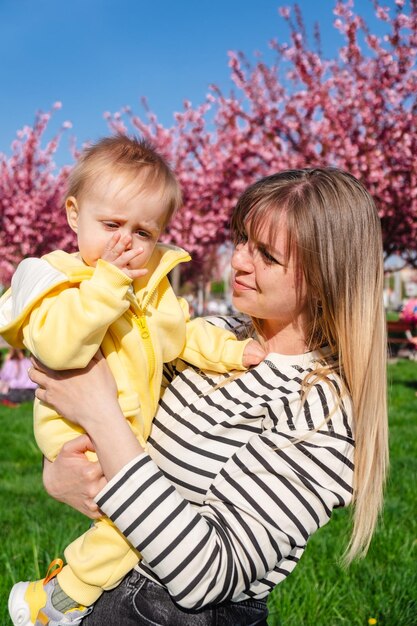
<point x="30" y="605"/>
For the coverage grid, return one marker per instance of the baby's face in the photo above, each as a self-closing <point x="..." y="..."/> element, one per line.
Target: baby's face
<point x="114" y="205"/>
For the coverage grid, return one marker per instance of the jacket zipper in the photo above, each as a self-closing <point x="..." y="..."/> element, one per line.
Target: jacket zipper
<point x="141" y="323"/>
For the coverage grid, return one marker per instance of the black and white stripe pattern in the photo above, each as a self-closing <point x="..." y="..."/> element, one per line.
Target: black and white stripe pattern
<point x="236" y="480"/>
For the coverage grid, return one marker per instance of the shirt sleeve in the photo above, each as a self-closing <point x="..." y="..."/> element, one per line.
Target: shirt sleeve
<point x="260" y="511"/>
<point x="66" y="328"/>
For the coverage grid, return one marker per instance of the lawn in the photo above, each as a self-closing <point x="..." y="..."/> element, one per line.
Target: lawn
<point x="383" y="587"/>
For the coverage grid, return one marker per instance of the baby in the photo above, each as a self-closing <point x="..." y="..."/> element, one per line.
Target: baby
<point x="114" y="295"/>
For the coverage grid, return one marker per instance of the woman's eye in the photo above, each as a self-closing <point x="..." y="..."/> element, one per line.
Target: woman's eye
<point x="268" y="257"/>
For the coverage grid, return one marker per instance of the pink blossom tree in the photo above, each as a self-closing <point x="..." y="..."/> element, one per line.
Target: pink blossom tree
<point x="32" y="219"/>
<point x="357" y="111"/>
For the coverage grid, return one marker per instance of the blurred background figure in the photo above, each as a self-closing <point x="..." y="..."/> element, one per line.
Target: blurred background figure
<point x="15" y="385"/>
<point x="409" y="311"/>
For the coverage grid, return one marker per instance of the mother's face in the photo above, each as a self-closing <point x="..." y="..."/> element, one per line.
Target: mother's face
<point x="265" y="284"/>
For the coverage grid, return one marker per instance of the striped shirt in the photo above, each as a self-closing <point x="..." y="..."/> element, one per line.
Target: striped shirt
<point x="236" y="479"/>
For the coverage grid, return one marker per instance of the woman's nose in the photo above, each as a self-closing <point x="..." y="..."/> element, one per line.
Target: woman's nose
<point x="242" y="258"/>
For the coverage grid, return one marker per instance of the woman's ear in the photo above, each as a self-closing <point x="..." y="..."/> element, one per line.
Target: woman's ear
<point x="72" y="210"/>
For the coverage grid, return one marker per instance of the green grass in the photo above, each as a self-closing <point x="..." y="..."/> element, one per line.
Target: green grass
<point x="384" y="585"/>
<point x="392" y="316"/>
<point x="35" y="529"/>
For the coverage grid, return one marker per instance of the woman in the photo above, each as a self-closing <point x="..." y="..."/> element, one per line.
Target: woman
<point x="239" y="473"/>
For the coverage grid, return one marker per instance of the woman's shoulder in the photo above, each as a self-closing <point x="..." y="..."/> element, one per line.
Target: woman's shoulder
<point x="308" y="369"/>
<point x="306" y="393"/>
<point x="239" y="324"/>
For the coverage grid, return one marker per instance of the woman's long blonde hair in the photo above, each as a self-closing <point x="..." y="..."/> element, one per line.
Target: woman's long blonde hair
<point x="334" y="231"/>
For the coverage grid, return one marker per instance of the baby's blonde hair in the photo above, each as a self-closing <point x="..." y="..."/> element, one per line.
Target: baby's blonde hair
<point x="335" y="234"/>
<point x="136" y="159"/>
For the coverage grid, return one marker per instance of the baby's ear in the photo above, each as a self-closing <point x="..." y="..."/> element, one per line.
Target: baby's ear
<point x="72" y="210"/>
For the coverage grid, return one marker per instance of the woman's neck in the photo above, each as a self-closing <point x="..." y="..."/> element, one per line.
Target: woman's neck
<point x="288" y="339"/>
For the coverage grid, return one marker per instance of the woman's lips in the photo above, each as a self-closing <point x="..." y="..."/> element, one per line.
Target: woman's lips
<point x="240" y="285"/>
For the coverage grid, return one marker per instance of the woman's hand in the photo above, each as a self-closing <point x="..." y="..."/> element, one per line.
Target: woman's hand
<point x="78" y="395"/>
<point x="73" y="479"/>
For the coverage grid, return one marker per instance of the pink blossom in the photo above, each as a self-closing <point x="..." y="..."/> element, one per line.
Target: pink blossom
<point x="382" y="13"/>
<point x="31" y="196"/>
<point x="284" y="12"/>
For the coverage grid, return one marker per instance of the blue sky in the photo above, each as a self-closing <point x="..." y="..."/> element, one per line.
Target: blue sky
<point x="99" y="55"/>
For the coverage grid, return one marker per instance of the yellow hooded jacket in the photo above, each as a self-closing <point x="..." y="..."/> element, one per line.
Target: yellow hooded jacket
<point x="63" y="311"/>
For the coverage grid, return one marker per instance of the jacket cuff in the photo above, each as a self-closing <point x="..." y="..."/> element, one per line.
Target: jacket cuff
<point x="110" y="274"/>
<point x="233" y="353"/>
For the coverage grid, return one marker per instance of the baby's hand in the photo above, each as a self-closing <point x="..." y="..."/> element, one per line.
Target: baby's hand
<point x="253" y="354"/>
<point x="119" y="253"/>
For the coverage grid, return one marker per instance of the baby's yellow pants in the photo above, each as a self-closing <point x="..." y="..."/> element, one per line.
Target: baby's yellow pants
<point x="96" y="561"/>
